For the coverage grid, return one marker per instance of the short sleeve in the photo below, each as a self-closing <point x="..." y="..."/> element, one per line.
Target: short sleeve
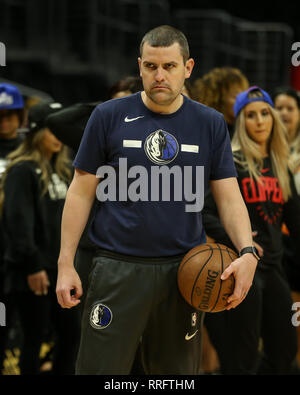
<point x="92" y="150"/>
<point x="222" y="158"/>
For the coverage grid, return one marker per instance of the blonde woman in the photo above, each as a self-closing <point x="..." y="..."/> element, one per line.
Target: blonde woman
<point x="261" y="153"/>
<point x="33" y="192"/>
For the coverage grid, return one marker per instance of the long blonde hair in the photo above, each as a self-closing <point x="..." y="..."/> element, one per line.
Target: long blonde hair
<point x="31" y="150"/>
<point x="252" y="158"/>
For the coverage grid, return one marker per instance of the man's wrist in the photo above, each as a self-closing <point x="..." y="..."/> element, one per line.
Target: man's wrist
<point x="250" y="258"/>
<point x="65" y="261"/>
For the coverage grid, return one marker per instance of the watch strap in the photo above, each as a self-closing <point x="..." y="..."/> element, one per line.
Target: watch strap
<point x="250" y="250"/>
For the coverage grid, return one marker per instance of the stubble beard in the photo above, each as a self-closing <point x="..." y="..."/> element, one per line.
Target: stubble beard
<point x="170" y="97"/>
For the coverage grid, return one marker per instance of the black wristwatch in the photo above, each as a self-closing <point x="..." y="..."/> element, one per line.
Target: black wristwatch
<point x="251" y="250"/>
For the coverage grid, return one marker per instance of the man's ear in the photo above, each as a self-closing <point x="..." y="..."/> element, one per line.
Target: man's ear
<point x="189" y="67"/>
<point x="140" y="66"/>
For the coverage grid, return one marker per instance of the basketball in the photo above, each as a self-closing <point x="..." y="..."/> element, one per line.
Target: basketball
<point x="199" y="277"/>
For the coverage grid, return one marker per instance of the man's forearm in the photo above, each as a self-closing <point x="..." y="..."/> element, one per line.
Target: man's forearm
<point x="235" y="219"/>
<point x="74" y="219"/>
<point x="233" y="212"/>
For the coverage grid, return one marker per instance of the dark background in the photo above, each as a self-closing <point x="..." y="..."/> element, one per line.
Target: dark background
<point x="76" y="50"/>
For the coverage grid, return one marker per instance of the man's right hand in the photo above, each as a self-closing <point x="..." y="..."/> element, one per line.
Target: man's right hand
<point x="67" y="281"/>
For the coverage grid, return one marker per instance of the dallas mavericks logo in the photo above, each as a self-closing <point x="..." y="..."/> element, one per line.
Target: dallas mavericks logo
<point x="161" y="147"/>
<point x="101" y="316"/>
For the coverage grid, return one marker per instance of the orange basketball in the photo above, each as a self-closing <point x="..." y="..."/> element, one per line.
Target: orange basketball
<point x="199" y="277"/>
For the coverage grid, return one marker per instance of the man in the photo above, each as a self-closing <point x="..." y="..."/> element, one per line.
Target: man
<point x="143" y="228"/>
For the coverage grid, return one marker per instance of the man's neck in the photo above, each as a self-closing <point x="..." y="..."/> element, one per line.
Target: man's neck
<point x="162" y="109"/>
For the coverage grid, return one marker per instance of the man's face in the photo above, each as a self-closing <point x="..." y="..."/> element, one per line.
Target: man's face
<point x="163" y="72"/>
<point x="9" y="123"/>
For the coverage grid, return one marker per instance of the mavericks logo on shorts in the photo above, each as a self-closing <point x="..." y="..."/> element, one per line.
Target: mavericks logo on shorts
<point x="161" y="147"/>
<point x="194" y="319"/>
<point x="101" y="316"/>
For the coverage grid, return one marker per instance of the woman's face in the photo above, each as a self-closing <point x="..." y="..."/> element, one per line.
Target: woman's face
<point x="258" y="122"/>
<point x="289" y="112"/>
<point x="50" y="144"/>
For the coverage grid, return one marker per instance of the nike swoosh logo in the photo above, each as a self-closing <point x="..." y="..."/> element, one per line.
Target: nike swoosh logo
<point x="133" y="119"/>
<point x="189" y="337"/>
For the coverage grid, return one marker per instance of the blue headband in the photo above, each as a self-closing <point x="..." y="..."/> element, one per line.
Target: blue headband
<point x="242" y="99"/>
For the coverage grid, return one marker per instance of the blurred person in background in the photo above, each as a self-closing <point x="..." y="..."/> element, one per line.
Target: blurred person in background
<point x="12" y="117"/>
<point x="218" y="89"/>
<point x="33" y="191"/>
<point x="125" y="87"/>
<point x="287" y="103"/>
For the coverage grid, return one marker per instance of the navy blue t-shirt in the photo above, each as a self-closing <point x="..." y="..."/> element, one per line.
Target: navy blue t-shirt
<point x="156" y="165"/>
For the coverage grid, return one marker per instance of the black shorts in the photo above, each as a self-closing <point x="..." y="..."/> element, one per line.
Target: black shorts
<point x="131" y="301"/>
